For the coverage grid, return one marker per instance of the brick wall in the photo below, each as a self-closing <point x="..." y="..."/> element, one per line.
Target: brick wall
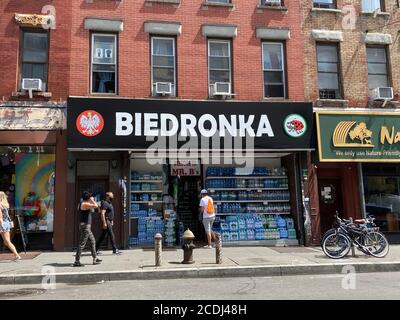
<point x="352" y="50"/>
<point x="59" y="46"/>
<point x="192" y="76"/>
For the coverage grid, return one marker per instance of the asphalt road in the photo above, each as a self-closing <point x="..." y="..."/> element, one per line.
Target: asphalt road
<point x="383" y="285"/>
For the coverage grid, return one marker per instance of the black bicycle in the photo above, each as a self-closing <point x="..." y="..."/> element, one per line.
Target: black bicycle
<point x="363" y="233"/>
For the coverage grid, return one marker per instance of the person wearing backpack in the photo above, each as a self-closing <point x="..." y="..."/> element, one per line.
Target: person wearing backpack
<point x="207" y="209"/>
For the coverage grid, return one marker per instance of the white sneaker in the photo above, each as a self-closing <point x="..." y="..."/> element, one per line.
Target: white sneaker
<point x="208" y="247"/>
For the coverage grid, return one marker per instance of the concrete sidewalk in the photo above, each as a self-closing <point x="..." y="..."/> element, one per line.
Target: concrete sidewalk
<point x="237" y="261"/>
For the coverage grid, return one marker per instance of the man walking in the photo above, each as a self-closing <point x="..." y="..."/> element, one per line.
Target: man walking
<point x="207" y="209"/>
<point x="85" y="212"/>
<point x="107" y="216"/>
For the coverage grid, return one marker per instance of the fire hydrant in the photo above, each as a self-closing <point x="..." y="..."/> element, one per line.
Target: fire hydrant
<point x="188" y="247"/>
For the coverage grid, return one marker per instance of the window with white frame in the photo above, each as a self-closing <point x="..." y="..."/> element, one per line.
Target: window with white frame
<point x="273" y="69"/>
<point x="34" y="55"/>
<point x="328" y="71"/>
<point x="327" y="4"/>
<point x="219" y="67"/>
<point x="163" y="70"/>
<point x="104" y="63"/>
<point x="377" y="67"/>
<point x="372" y="5"/>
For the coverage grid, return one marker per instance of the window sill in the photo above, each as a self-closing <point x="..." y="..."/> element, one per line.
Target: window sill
<point x="217" y="4"/>
<point x="164" y="1"/>
<point x="95" y="94"/>
<point x="25" y="94"/>
<point x="338" y="103"/>
<point x="275" y="99"/>
<point x="327" y="10"/>
<point x="378" y="14"/>
<point x="390" y="104"/>
<point x="275" y="8"/>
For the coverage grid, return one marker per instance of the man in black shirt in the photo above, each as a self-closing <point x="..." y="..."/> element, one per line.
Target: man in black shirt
<point x="85" y="216"/>
<point x="107" y="216"/>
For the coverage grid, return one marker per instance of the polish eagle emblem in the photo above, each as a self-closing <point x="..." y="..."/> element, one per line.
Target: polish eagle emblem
<point x="90" y="123"/>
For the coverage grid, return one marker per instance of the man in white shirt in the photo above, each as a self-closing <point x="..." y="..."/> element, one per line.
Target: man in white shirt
<point x="208" y="216"/>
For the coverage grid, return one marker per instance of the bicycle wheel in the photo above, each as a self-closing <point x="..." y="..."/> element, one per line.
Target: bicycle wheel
<point x="376" y="244"/>
<point x="336" y="245"/>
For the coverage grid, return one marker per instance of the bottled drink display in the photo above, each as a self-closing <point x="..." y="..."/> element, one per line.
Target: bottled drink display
<point x="252" y="204"/>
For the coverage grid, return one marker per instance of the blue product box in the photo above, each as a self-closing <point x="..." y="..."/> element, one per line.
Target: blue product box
<point x="226" y="236"/>
<point x="290" y="223"/>
<point x="242" y="223"/>
<point x="234" y="236"/>
<point x="250" y="223"/>
<point x="233" y="226"/>
<point x="224" y="226"/>
<point x="251" y="235"/>
<point x="242" y="235"/>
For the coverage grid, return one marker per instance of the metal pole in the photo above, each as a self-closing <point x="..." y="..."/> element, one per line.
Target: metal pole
<point x="361" y="189"/>
<point x="158" y="248"/>
<point x="218" y="248"/>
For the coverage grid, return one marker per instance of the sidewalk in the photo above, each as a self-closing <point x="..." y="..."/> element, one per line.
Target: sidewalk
<point x="237" y="261"/>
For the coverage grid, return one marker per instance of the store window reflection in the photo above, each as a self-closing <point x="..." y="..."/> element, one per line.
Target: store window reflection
<point x="27" y="175"/>
<point x="382" y="199"/>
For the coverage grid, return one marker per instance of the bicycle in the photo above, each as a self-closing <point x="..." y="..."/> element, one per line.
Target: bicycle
<point x="363" y="233"/>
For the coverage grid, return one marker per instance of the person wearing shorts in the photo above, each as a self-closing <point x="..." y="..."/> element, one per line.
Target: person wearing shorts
<point x="6" y="225"/>
<point x="208" y="217"/>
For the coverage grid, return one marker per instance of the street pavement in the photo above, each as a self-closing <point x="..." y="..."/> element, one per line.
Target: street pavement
<point x="139" y="264"/>
<point x="376" y="286"/>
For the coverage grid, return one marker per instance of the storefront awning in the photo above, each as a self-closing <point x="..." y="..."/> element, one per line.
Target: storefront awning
<point x="132" y="124"/>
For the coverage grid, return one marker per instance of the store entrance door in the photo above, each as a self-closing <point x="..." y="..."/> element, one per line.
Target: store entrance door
<point x="188" y="205"/>
<point x="330" y="201"/>
<point x="98" y="187"/>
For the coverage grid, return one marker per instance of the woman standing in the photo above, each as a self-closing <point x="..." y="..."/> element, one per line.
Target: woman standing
<point x="5" y="225"/>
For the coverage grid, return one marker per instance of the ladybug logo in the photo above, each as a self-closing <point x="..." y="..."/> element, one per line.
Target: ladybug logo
<point x="295" y="125"/>
<point x="90" y="123"/>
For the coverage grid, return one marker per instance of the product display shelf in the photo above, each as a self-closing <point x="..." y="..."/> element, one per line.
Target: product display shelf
<point x="247" y="189"/>
<point x="147" y="181"/>
<point x="246" y="177"/>
<point x="249" y="213"/>
<point x="148" y="202"/>
<point x="146" y="191"/>
<point x="249" y="201"/>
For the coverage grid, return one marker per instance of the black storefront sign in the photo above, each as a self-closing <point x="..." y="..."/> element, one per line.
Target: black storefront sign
<point x="98" y="123"/>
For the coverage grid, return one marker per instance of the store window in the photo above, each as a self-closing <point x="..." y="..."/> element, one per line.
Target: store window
<point x="219" y="67"/>
<point x="382" y="195"/>
<point x="27" y="175"/>
<point x="273" y="69"/>
<point x="104" y="63"/>
<point x="328" y="4"/>
<point x="35" y="56"/>
<point x="328" y="71"/>
<point x="377" y="67"/>
<point x="163" y="74"/>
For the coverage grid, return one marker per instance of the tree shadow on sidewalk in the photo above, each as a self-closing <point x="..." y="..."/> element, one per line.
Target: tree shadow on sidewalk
<point x="60" y="265"/>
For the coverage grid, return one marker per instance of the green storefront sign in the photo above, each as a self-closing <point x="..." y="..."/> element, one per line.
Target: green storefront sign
<point x="359" y="137"/>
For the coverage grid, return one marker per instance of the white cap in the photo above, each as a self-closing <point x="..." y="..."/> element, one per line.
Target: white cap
<point x="203" y="191"/>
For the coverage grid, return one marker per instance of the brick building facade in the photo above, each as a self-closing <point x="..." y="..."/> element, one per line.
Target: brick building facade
<point x="363" y="38"/>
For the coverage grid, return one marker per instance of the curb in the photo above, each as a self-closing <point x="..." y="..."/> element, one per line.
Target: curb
<point x="210" y="272"/>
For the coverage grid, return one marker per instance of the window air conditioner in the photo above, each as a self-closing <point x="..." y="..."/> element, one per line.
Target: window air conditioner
<point x="32" y="84"/>
<point x="271" y="2"/>
<point x="164" y="88"/>
<point x="381" y="93"/>
<point x="222" y="88"/>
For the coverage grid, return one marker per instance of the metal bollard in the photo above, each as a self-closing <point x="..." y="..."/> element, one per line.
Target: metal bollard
<point x="218" y="248"/>
<point x="158" y="248"/>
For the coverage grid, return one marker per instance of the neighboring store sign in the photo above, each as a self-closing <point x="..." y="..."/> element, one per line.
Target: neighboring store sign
<point x="138" y="124"/>
<point x="185" y="168"/>
<point x="361" y="137"/>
